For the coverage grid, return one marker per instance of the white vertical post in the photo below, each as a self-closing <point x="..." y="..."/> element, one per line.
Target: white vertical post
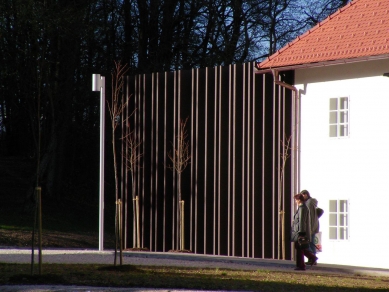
<point x="98" y="84"/>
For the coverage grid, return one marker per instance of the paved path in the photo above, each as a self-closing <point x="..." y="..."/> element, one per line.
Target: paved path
<point x="9" y="255"/>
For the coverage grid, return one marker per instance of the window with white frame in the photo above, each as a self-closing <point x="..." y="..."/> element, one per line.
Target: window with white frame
<point x="339" y="117"/>
<point x="339" y="220"/>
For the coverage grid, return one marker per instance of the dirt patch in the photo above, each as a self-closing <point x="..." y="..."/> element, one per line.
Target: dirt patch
<point x="181" y="251"/>
<point x="137" y="249"/>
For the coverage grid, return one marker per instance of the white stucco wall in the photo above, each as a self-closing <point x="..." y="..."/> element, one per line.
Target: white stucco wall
<point x="355" y="168"/>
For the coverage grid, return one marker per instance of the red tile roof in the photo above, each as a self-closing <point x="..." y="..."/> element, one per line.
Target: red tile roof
<point x="360" y="29"/>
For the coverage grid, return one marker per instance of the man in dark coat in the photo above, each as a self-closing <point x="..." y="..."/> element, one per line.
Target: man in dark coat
<point x="311" y="203"/>
<point x="301" y="228"/>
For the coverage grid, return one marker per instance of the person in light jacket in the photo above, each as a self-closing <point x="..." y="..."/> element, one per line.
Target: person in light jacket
<point x="301" y="228"/>
<point x="311" y="203"/>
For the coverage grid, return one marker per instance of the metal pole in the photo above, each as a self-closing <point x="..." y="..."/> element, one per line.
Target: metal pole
<point x="120" y="230"/>
<point x="136" y="232"/>
<point x="182" y="224"/>
<point x="137" y="223"/>
<point x="98" y="84"/>
<point x="38" y="192"/>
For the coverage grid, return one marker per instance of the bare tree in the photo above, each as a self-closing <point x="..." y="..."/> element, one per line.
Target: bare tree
<point x="116" y="107"/>
<point x="314" y="11"/>
<point x="132" y="157"/>
<point x="285" y="154"/>
<point x="180" y="158"/>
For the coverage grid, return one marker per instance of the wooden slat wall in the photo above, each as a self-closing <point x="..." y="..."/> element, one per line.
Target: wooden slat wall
<point x="236" y="120"/>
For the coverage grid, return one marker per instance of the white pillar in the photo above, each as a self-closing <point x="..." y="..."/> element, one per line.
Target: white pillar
<point x="98" y="84"/>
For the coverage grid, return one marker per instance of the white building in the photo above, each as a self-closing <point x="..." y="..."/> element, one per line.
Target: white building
<point x="341" y="72"/>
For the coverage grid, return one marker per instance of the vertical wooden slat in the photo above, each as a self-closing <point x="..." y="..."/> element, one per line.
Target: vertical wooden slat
<point x="178" y="122"/>
<point x="152" y="161"/>
<point x="243" y="169"/>
<point x="284" y="137"/>
<point x="192" y="168"/>
<point x="164" y="160"/>
<point x="233" y="160"/>
<point x="294" y="158"/>
<point x="175" y="218"/>
<point x="263" y="162"/>
<point x="144" y="151"/>
<point x="248" y="160"/>
<point x="219" y="158"/>
<point x="298" y="139"/>
<point x="121" y="183"/>
<point x="122" y="170"/>
<point x="229" y="158"/>
<point x="273" y="171"/>
<point x="278" y="169"/>
<point x="215" y="234"/>
<point x="156" y="161"/>
<point x="197" y="160"/>
<point x="138" y="133"/>
<point x="205" y="160"/>
<point x="253" y="174"/>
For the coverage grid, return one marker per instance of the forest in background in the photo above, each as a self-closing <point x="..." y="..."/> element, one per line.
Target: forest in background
<point x="50" y="48"/>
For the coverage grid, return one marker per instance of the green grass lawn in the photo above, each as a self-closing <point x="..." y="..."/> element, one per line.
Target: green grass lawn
<point x="186" y="278"/>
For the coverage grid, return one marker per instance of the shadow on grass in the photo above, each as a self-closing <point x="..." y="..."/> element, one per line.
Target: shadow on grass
<point x="118" y="268"/>
<point x="186" y="278"/>
<point x="43" y="279"/>
<point x="226" y="282"/>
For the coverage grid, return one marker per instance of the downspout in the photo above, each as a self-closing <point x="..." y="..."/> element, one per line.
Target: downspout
<point x="295" y="157"/>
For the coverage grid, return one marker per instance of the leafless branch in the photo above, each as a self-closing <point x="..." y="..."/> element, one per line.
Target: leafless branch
<point x="180" y="156"/>
<point x="116" y="107"/>
<point x="286" y="150"/>
<point x="133" y="146"/>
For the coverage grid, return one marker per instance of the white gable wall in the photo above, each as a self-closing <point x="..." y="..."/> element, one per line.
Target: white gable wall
<point x="355" y="168"/>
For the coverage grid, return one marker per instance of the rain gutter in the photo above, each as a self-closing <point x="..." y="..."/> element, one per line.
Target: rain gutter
<point x="322" y="64"/>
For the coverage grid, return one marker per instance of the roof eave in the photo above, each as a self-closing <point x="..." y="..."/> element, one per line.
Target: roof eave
<point x="322" y="64"/>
